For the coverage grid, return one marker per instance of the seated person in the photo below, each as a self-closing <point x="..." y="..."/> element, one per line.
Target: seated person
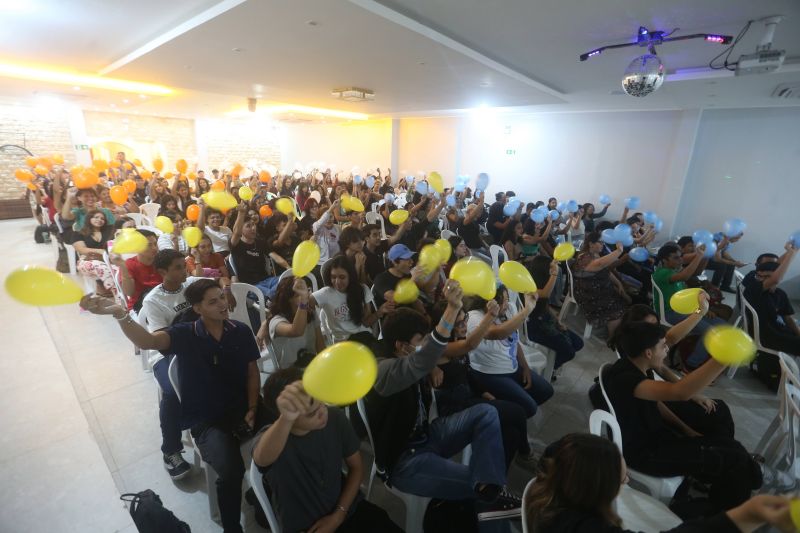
<point x="763" y="258"/>
<point x="706" y="416"/>
<point x="351" y="245"/>
<point x="137" y="274"/>
<point x="326" y="234"/>
<point x="375" y="248"/>
<point x="559" y="500"/>
<point x="402" y="261"/>
<point x="203" y="262"/>
<point x="543" y="326"/>
<point x="599" y="293"/>
<point x="88" y="202"/>
<point x="279" y="234"/>
<point x="498" y="362"/>
<point x="219" y="383"/>
<point x="534" y="236"/>
<point x="715" y="302"/>
<point x="344" y="301"/>
<point x="589" y="215"/>
<point x="456" y="389"/>
<point x="294" y="333"/>
<point x="658" y="443"/>
<point x="671" y="278"/>
<point x="777" y="327"/>
<point x="470" y="230"/>
<point x="249" y="257"/>
<point x="169" y="207"/>
<point x="90" y="243"/>
<point x="412" y="453"/>
<point x="511" y="241"/>
<point x="174" y="240"/>
<point x="210" y="222"/>
<point x="303" y="497"/>
<point x="723" y="264"/>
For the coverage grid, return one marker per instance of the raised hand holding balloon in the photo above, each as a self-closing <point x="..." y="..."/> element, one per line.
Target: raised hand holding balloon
<point x="632" y="202"/>
<point x="734" y="227"/>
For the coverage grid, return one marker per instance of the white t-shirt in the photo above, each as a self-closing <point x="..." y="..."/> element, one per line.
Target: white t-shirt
<point x="160" y="308"/>
<point x="326" y="238"/>
<point x="165" y="242"/>
<point x="220" y="238"/>
<point x="286" y="348"/>
<point x="334" y="304"/>
<point x="492" y="356"/>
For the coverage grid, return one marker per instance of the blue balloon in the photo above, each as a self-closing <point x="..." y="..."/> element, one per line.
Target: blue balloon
<point x="572" y="206"/>
<point x="561" y="207"/>
<point x="621" y="232"/>
<point x="639" y="254"/>
<point x="608" y="236"/>
<point x="632" y="202"/>
<point x="554" y="214"/>
<point x="538" y="217"/>
<point x="409" y="179"/>
<point x="357" y="179"/>
<point x="511" y="207"/>
<point x="702" y="235"/>
<point x="482" y="182"/>
<point x="659" y="225"/>
<point x="627" y="240"/>
<point x="718" y="236"/>
<point x="734" y="227"/>
<point x="370" y="181"/>
<point x="794" y="238"/>
<point x="451" y="200"/>
<point x="422" y="187"/>
<point x="389" y="198"/>
<point x="605" y="199"/>
<point x="650" y="217"/>
<point x="460" y="185"/>
<point x="711" y="249"/>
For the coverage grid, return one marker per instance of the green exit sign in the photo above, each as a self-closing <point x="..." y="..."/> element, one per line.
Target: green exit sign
<point x="511" y="152"/>
<point x="81" y="146"/>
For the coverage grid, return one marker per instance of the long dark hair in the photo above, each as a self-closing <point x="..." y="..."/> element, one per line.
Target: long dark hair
<point x="635" y="313"/>
<point x="282" y="303"/>
<point x="87" y="228"/>
<point x="355" y="292"/>
<point x="578" y="472"/>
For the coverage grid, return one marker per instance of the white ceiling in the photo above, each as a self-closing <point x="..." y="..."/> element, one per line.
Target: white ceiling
<point x="421" y="57"/>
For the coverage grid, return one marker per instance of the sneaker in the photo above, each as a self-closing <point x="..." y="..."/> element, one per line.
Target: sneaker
<point x="176" y="466"/>
<point x="527" y="461"/>
<point x="506" y="505"/>
<point x="776" y="481"/>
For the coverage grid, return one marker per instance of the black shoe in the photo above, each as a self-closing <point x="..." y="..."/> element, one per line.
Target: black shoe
<point x="176" y="466"/>
<point x="506" y="505"/>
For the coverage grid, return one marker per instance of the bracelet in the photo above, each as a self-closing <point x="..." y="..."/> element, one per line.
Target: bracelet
<point x="125" y="319"/>
<point x="303" y="305"/>
<point x="226" y="288"/>
<point x="342" y="509"/>
<point x="446" y="325"/>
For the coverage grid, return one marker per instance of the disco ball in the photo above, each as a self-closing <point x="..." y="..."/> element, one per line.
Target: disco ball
<point x="644" y="75"/>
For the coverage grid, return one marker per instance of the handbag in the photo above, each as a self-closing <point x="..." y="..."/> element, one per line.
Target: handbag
<point x="150" y="516"/>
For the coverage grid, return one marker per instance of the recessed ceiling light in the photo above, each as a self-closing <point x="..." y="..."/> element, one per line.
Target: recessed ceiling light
<point x="126" y="101"/>
<point x="76" y="88"/>
<point x="142" y="96"/>
<point x="312" y="23"/>
<point x="113" y="105"/>
<point x="237" y="49"/>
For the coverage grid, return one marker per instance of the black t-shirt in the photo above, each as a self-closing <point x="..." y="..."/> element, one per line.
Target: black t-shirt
<point x="287" y="252"/>
<point x="641" y="423"/>
<point x="471" y="234"/>
<point x="385" y="281"/>
<point x="90" y="242"/>
<point x="415" y="233"/>
<point x="374" y="263"/>
<point x="250" y="261"/>
<point x="769" y="306"/>
<point x="496" y="215"/>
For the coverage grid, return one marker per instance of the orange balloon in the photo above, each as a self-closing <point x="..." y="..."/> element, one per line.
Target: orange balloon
<point x="193" y="212"/>
<point x="46" y="162"/>
<point x="85" y="180"/>
<point x="100" y="164"/>
<point x="115" y="163"/>
<point x="264" y="176"/>
<point x="127" y="166"/>
<point x="146" y="174"/>
<point x="192" y="176"/>
<point x="158" y="164"/>
<point x="77" y="169"/>
<point x="265" y="211"/>
<point x="181" y="166"/>
<point x="129" y="185"/>
<point x="218" y="185"/>
<point x="58" y="159"/>
<point x="24" y="175"/>
<point x="31" y="161"/>
<point x="39" y="169"/>
<point x="31" y="186"/>
<point x="118" y="194"/>
<point x="236" y="170"/>
<point x="137" y="162"/>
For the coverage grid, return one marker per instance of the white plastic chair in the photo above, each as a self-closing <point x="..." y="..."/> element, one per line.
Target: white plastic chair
<point x="446" y="234"/>
<point x="154" y="229"/>
<point x="524" y="499"/>
<point x="309" y="277"/>
<point x="150" y="210"/>
<point x="257" y="484"/>
<point x="569" y="300"/>
<point x="72" y="258"/>
<point x="139" y="219"/>
<point x="240" y="291"/>
<point x="777" y="430"/>
<point x="662" y="488"/>
<point x="496" y="251"/>
<point x="661" y="308"/>
<point x="374" y="217"/>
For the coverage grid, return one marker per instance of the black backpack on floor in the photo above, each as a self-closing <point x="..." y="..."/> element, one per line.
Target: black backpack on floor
<point x="150" y="515"/>
<point x="767" y="368"/>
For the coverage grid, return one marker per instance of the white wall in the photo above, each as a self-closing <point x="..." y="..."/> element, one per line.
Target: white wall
<point x="746" y="164"/>
<point x="365" y="144"/>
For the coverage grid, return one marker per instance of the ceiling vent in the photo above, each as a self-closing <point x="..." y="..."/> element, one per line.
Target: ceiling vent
<point x="353" y="94"/>
<point x="787" y="91"/>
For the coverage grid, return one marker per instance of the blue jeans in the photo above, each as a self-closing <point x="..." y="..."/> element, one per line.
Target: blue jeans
<point x="700" y="354"/>
<point x="558" y="289"/>
<point x="427" y="470"/>
<point x="509" y="387"/>
<point x="268" y="286"/>
<point x="566" y="344"/>
<point x="169" y="410"/>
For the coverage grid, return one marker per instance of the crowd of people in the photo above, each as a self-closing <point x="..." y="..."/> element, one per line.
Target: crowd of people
<point x="463" y="355"/>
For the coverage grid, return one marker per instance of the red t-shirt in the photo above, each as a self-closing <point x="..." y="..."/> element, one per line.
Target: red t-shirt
<point x="144" y="276"/>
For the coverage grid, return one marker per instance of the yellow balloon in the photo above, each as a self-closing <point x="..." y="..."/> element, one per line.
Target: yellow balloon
<point x="398" y="216"/>
<point x="516" y="277"/>
<point x="685" y="301"/>
<point x="34" y="285"/>
<point x="436" y="182"/>
<point x="129" y="241"/>
<point x="729" y="345"/>
<point x="305" y="258"/>
<point x="164" y="224"/>
<point x="245" y="193"/>
<point x="564" y="251"/>
<point x="354" y="204"/>
<point x="429" y="258"/>
<point x="285" y="206"/>
<point x="192" y="235"/>
<point x="221" y="200"/>
<point x="475" y="277"/>
<point x="341" y="374"/>
<point x="406" y="291"/>
<point x="445" y="250"/>
<point x="794" y="512"/>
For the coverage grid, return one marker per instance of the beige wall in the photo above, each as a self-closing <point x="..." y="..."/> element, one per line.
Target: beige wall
<point x="253" y="143"/>
<point x="429" y="144"/>
<point x="42" y="131"/>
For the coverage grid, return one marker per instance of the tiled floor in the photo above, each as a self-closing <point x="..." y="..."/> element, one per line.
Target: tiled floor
<point x="80" y="416"/>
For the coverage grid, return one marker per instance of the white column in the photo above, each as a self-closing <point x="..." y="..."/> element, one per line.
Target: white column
<point x="77" y="132"/>
<point x="396" y="150"/>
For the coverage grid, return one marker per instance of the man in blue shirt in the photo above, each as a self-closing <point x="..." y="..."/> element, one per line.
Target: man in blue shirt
<point x="219" y="382"/>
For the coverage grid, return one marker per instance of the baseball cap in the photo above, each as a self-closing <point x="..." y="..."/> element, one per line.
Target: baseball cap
<point x="400" y="251"/>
